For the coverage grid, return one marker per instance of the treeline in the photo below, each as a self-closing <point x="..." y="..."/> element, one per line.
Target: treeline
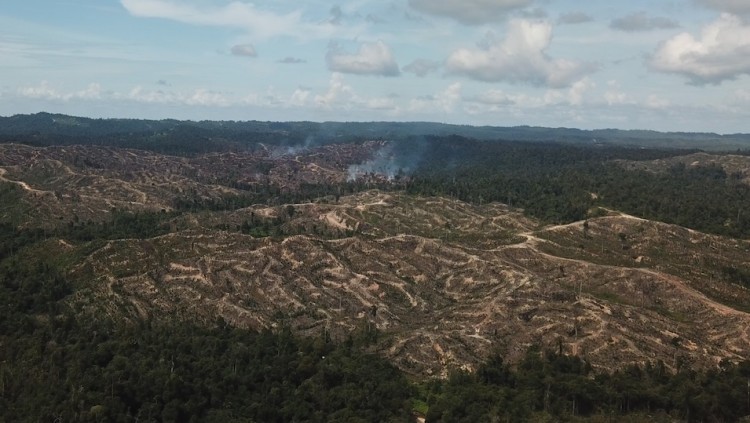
<point x="46" y="127"/>
<point x="183" y="138"/>
<point x="705" y="198"/>
<point x="560" y="183"/>
<point x="548" y="386"/>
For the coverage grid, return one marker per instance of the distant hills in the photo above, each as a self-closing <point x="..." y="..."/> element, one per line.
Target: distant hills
<point x="203" y="136"/>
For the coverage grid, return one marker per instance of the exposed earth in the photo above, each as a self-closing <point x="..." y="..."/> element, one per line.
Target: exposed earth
<point x="445" y="282"/>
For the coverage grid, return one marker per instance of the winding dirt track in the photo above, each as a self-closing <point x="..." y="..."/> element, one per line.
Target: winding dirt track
<point x="22" y="184"/>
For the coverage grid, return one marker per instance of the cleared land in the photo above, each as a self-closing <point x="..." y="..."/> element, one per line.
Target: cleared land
<point x="445" y="282"/>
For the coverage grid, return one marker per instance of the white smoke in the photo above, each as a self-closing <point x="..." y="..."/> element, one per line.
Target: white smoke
<point x="385" y="163"/>
<point x="292" y="150"/>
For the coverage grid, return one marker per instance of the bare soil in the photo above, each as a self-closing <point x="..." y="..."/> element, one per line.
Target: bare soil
<point x="445" y="282"/>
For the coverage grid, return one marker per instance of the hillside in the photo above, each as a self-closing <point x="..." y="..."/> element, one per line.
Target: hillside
<point x="272" y="238"/>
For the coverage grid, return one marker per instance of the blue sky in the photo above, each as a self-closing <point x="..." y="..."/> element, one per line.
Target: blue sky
<point x="666" y="65"/>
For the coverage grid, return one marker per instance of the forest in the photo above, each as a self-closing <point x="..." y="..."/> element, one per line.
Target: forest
<point x="195" y="137"/>
<point x="555" y="183"/>
<point x="56" y="365"/>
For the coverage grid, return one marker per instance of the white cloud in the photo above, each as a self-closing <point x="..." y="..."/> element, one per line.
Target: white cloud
<point x="519" y="58"/>
<point x="299" y="97"/>
<point x="339" y="96"/>
<point x="641" y="21"/>
<point x="579" y="90"/>
<point x="494" y="97"/>
<point x="614" y="94"/>
<point x="448" y="98"/>
<point x="337" y="90"/>
<point x="422" y="67"/>
<point x="44" y="91"/>
<point x="237" y="14"/>
<point x="197" y="97"/>
<point x="371" y="59"/>
<point x="444" y="101"/>
<point x="469" y="12"/>
<point x="655" y="102"/>
<point x="41" y="91"/>
<point x="722" y="52"/>
<point x="245" y="50"/>
<point x="495" y="100"/>
<point x="500" y="101"/>
<point x="342" y="97"/>
<point x="380" y="103"/>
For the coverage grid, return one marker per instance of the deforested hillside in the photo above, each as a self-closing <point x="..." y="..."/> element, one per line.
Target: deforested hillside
<point x="300" y="239"/>
<point x="433" y="254"/>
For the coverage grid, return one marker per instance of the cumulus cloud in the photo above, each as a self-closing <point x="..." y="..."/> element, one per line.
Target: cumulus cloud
<point x="94" y="92"/>
<point x="422" y="67"/>
<point x="737" y="7"/>
<point x="641" y="21"/>
<point x="371" y="59"/>
<point x="519" y="58"/>
<point x="578" y="91"/>
<point x="198" y="97"/>
<point x="444" y="101"/>
<point x="494" y="98"/>
<point x="614" y="95"/>
<point x="244" y="50"/>
<point x="721" y="52"/>
<point x="469" y="12"/>
<point x="337" y="89"/>
<point x="655" y="102"/>
<point x="299" y="97"/>
<point x="44" y="91"/>
<point x="574" y="18"/>
<point x="341" y="96"/>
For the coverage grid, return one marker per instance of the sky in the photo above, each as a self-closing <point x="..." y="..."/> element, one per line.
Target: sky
<point x="668" y="65"/>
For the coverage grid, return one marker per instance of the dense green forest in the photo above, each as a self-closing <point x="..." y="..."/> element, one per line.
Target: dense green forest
<point x="549" y="384"/>
<point x="560" y="183"/>
<point x="195" y="137"/>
